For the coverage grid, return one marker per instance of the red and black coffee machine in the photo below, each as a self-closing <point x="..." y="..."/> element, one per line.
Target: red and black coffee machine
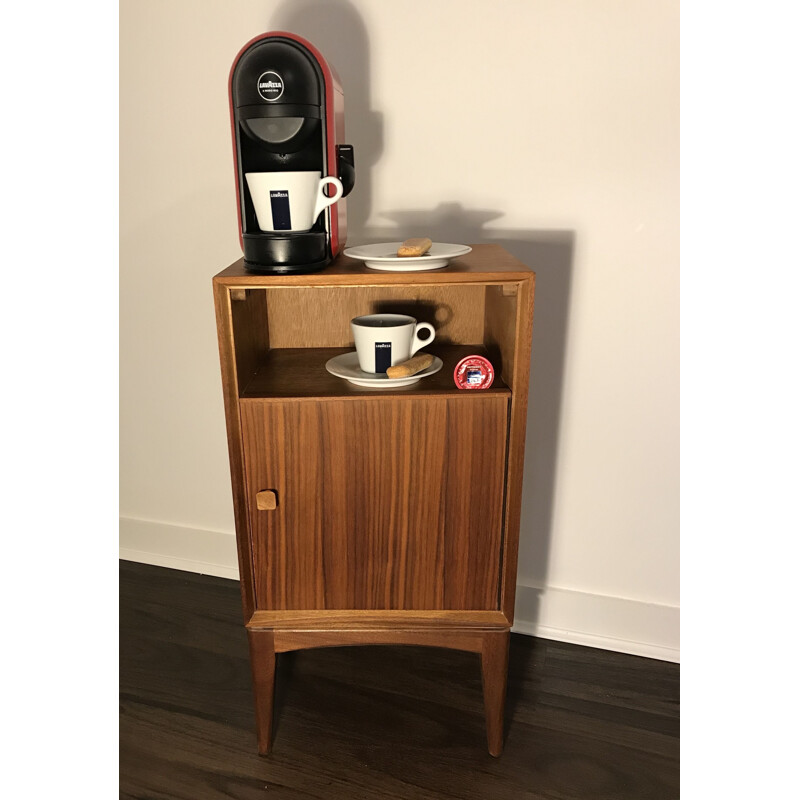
<point x="287" y="115"/>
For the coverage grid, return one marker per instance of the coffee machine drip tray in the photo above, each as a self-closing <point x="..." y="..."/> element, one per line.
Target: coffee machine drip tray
<point x="289" y="253"/>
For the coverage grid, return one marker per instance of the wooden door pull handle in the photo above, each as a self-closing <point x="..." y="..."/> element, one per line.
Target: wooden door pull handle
<point x="266" y="500"/>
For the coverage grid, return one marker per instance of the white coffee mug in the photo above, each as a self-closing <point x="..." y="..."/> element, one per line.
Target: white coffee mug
<point x="383" y="340"/>
<point x="290" y="201"/>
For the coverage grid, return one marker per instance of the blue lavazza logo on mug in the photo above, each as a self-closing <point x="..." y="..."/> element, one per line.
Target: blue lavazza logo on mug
<point x="270" y="85"/>
<point x="279" y="201"/>
<point x="383" y="356"/>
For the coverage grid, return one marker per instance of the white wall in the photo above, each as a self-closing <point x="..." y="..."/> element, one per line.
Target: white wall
<point x="549" y="126"/>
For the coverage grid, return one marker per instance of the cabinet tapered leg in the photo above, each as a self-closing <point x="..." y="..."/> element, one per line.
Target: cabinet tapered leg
<point x="262" y="664"/>
<point x="494" y="672"/>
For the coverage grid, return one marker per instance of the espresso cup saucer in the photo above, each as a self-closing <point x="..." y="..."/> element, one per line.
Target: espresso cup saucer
<point x="346" y="366"/>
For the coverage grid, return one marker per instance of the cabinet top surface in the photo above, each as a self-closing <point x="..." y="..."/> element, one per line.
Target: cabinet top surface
<point x="486" y="263"/>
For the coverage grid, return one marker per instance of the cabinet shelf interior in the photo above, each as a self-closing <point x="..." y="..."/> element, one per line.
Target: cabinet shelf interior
<point x="283" y="336"/>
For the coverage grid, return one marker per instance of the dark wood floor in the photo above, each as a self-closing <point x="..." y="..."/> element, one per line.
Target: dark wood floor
<point x="375" y="722"/>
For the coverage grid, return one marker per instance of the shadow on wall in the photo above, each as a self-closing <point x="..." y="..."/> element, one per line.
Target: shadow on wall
<point x="336" y="28"/>
<point x="550" y="255"/>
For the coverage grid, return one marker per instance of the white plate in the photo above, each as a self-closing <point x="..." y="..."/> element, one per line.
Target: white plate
<point x="384" y="256"/>
<point x="346" y="366"/>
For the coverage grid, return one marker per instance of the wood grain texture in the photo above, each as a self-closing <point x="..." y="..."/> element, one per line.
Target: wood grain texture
<point x="320" y="316"/>
<point x="348" y="619"/>
<point x="494" y="671"/>
<point x="262" y="669"/>
<point x="230" y="393"/>
<point x="474" y="489"/>
<point x="403" y="501"/>
<point x="375" y="723"/>
<point x="486" y="263"/>
<point x="501" y="331"/>
<point x="266" y="501"/>
<point x="518" y="418"/>
<point x="453" y="638"/>
<point x="249" y="325"/>
<point x="411" y="521"/>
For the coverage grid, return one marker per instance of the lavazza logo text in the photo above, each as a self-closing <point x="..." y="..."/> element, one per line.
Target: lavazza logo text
<point x="270" y="85"/>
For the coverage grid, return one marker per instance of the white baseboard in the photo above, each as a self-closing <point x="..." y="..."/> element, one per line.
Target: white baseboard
<point x="178" y="547"/>
<point x="596" y="620"/>
<point x="565" y="615"/>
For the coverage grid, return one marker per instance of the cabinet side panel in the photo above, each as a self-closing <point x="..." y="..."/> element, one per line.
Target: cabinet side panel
<point x="477" y="429"/>
<point x="501" y="329"/>
<point x="516" y="443"/>
<point x="249" y="318"/>
<point x="228" y="366"/>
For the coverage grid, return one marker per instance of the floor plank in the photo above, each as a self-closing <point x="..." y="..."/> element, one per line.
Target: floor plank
<point x="376" y="723"/>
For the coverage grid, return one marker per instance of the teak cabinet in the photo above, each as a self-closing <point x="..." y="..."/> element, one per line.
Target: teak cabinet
<point x="376" y="516"/>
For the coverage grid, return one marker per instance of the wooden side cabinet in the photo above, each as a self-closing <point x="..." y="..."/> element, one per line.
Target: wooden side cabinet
<point x="376" y="516"/>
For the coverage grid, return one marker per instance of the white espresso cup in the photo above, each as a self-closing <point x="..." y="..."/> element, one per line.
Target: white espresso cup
<point x="383" y="340"/>
<point x="290" y="201"/>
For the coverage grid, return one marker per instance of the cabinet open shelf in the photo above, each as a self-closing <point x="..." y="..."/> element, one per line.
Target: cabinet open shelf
<point x="284" y="329"/>
<point x="300" y="372"/>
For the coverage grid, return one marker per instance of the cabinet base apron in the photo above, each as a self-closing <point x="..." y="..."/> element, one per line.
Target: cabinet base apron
<point x="482" y="632"/>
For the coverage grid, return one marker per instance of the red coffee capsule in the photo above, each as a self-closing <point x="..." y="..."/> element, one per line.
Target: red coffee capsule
<point x="473" y="372"/>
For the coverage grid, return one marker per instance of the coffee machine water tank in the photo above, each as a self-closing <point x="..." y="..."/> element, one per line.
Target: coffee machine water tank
<point x="287" y="115"/>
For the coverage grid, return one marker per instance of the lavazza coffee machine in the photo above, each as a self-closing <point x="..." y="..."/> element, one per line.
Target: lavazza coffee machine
<point x="287" y="115"/>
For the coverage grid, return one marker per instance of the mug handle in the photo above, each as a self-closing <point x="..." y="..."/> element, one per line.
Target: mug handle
<point x="416" y="342"/>
<point x="323" y="201"/>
